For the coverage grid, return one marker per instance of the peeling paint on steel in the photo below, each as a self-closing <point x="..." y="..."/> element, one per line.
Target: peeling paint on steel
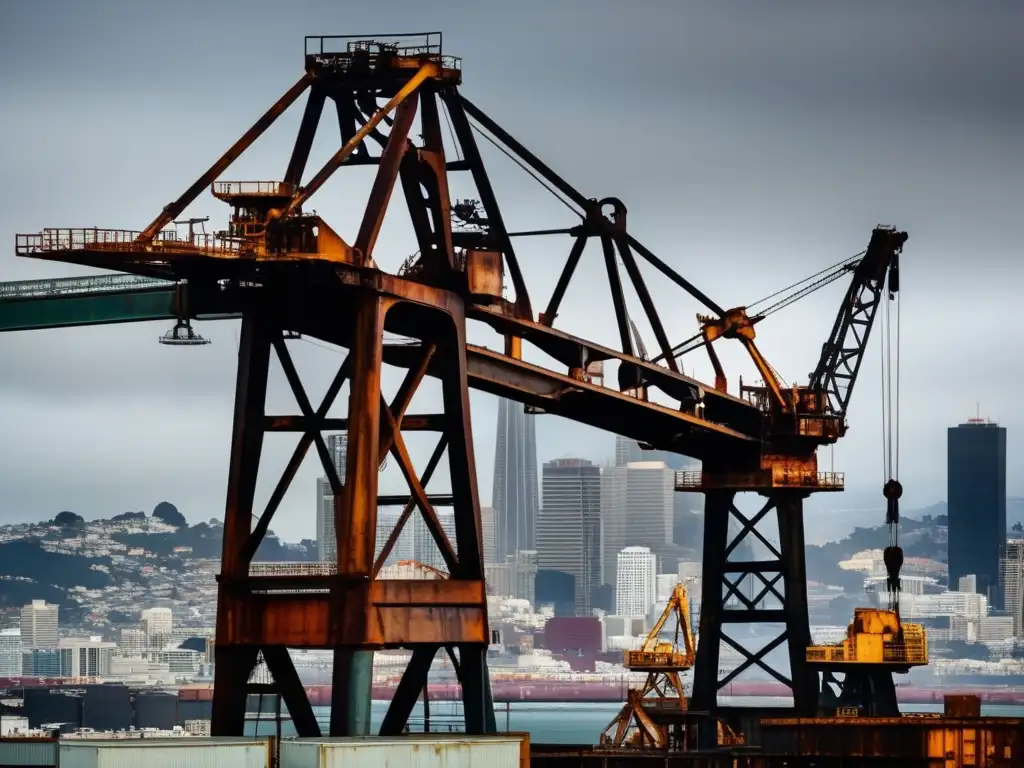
<point x="191" y="752"/>
<point x="419" y="751"/>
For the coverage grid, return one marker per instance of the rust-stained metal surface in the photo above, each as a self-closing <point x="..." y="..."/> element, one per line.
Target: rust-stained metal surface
<point x="421" y="750"/>
<point x="286" y="271"/>
<point x="984" y="742"/>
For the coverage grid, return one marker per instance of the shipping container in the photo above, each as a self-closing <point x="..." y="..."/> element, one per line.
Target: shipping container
<point x="28" y="752"/>
<point x="506" y="750"/>
<point x="181" y="752"/>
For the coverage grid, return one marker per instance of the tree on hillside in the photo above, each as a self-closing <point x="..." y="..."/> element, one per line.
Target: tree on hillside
<point x="68" y="520"/>
<point x="125" y="516"/>
<point x="169" y="514"/>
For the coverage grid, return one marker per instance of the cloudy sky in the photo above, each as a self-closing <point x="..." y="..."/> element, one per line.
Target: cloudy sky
<point x="753" y="143"/>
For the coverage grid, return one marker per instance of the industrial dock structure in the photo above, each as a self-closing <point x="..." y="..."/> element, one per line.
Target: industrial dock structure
<point x="284" y="271"/>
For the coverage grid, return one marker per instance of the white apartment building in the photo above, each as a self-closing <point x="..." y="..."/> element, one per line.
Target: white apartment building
<point x="157" y="624"/>
<point x="133" y="643"/>
<point x="85" y="657"/>
<point x="39" y="625"/>
<point x="636" y="582"/>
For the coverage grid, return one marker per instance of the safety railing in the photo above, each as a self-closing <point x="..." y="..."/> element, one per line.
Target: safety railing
<point x="252" y="188"/>
<point x="905" y="653"/>
<point x="826" y="653"/>
<point x="72" y="286"/>
<point x="121" y="240"/>
<point x="659" y="659"/>
<point x="431" y="42"/>
<point x="337" y="52"/>
<point x="696" y="479"/>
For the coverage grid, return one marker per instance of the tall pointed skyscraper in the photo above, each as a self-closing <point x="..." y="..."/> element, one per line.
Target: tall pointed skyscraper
<point x="515" y="498"/>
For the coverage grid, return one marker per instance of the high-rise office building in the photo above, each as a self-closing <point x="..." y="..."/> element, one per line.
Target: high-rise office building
<point x="424" y="547"/>
<point x="613" y="518"/>
<point x="39" y="625"/>
<point x="387" y="519"/>
<point x="10" y="652"/>
<point x="637" y="501"/>
<point x="487" y="535"/>
<point x="514" y="498"/>
<point x="649" y="490"/>
<point x="1011" y="579"/>
<point x="636" y="582"/>
<point x="569" y="526"/>
<point x="157" y="623"/>
<point x="326" y="541"/>
<point x="524" y="575"/>
<point x="976" y="493"/>
<point x="628" y="451"/>
<point x="415" y="541"/>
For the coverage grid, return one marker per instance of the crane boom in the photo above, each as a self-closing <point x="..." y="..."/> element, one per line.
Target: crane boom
<point x="843" y="352"/>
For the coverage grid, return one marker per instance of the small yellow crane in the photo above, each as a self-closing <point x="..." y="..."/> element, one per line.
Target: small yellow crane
<point x="877" y="644"/>
<point x="651" y="711"/>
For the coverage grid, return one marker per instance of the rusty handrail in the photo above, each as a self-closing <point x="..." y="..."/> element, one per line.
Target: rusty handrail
<point x="119" y="240"/>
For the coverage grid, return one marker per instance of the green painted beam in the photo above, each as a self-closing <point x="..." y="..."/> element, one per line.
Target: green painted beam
<point x="66" y="311"/>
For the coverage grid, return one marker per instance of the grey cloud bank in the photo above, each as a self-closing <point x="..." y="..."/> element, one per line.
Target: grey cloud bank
<point x="752" y="146"/>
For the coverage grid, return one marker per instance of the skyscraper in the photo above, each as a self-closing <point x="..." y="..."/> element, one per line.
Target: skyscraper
<point x="514" y="498"/>
<point x="39" y="625"/>
<point x="487" y="534"/>
<point x="636" y="582"/>
<point x="649" y="490"/>
<point x="10" y="652"/>
<point x="569" y="526"/>
<point x="613" y="518"/>
<point x="637" y="501"/>
<point x="1011" y="577"/>
<point x="326" y="541"/>
<point x="976" y="493"/>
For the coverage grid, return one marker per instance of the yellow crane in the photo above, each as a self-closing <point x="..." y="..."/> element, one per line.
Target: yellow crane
<point x="877" y="644"/>
<point x="651" y="712"/>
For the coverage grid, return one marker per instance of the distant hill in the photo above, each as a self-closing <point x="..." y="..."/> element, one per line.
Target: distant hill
<point x="46" y="561"/>
<point x="925" y="537"/>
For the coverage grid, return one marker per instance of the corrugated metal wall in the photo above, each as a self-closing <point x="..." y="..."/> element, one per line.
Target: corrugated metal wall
<point x="166" y="753"/>
<point x="28" y="752"/>
<point x="414" y="751"/>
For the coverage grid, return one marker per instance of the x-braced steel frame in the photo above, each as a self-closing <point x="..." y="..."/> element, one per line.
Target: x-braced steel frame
<point x="354" y="611"/>
<point x="751" y="592"/>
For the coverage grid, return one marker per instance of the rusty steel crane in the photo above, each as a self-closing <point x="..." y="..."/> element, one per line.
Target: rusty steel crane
<point x="286" y="271"/>
<point x="651" y="715"/>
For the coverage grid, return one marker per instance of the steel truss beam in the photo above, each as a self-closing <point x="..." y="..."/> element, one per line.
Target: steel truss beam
<point x="776" y="593"/>
<point x="357" y="612"/>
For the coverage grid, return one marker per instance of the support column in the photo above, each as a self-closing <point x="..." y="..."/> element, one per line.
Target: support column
<point x="790" y="509"/>
<point x="356" y="523"/>
<point x="737" y="590"/>
<point x="234" y="663"/>
<point x="717" y="505"/>
<point x="351" y="692"/>
<point x="476" y="699"/>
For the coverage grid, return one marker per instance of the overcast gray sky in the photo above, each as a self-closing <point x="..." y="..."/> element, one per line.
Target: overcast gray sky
<point x="753" y="143"/>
